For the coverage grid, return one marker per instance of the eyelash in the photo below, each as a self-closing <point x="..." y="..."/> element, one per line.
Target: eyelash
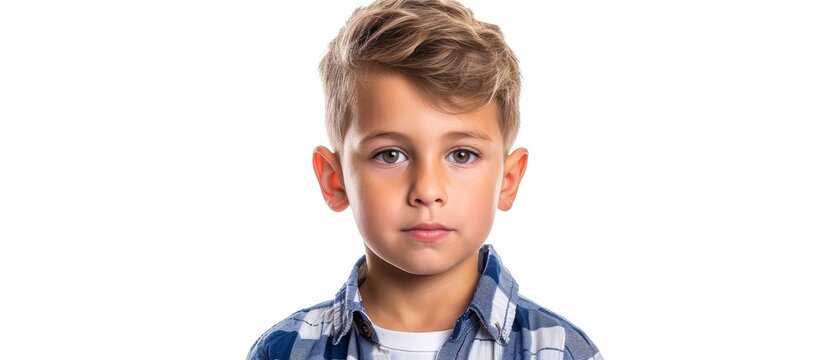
<point x="378" y="154"/>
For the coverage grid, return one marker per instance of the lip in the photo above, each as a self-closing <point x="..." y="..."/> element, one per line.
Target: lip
<point x="429" y="226"/>
<point x="428" y="232"/>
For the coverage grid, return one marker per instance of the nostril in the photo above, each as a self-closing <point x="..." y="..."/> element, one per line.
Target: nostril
<point x="419" y="201"/>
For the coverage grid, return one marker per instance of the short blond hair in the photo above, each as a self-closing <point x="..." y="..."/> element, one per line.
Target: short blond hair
<point x="456" y="61"/>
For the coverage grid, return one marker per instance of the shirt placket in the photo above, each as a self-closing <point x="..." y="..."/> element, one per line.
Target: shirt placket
<point x="456" y="347"/>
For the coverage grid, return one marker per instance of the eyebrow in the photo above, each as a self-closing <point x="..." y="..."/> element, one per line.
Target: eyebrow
<point x="454" y="135"/>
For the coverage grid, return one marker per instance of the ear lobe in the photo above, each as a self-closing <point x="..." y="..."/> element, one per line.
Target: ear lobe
<point x="514" y="166"/>
<point x="328" y="173"/>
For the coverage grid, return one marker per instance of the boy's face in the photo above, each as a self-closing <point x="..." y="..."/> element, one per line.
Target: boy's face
<point x="405" y="165"/>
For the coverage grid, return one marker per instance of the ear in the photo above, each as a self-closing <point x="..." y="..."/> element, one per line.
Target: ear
<point x="514" y="166"/>
<point x="327" y="167"/>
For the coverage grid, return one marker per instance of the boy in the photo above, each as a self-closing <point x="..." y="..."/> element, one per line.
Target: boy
<point x="422" y="109"/>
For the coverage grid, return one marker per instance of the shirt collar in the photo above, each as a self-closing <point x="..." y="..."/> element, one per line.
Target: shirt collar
<point x="494" y="301"/>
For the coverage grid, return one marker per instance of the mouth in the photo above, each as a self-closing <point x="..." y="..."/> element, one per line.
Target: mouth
<point x="428" y="232"/>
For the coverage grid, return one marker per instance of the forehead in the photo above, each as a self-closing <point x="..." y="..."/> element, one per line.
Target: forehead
<point x="388" y="101"/>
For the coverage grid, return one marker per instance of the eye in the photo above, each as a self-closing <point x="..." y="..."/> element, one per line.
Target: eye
<point x="463" y="156"/>
<point x="390" y="156"/>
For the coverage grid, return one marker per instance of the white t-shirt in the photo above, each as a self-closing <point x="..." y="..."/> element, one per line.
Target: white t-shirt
<point x="412" y="345"/>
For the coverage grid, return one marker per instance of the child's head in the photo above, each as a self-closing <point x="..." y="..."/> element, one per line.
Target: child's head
<point x="422" y="108"/>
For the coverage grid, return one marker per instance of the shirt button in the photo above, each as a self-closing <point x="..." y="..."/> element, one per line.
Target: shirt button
<point x="365" y="330"/>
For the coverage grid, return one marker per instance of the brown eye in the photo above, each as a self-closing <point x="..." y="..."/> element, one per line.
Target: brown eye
<point x="390" y="156"/>
<point x="462" y="156"/>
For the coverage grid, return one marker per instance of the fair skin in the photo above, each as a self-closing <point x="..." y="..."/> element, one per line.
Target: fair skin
<point x="404" y="163"/>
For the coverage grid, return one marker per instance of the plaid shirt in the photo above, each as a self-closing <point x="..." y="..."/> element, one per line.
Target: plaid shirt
<point x="499" y="324"/>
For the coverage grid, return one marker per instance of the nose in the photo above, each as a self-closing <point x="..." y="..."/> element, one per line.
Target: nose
<point x="428" y="186"/>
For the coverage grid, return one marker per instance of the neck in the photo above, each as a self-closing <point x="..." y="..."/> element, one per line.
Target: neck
<point x="401" y="301"/>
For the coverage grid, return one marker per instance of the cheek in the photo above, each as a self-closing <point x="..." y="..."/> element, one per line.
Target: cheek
<point x="477" y="192"/>
<point x="360" y="183"/>
<point x="481" y="183"/>
<point x="376" y="194"/>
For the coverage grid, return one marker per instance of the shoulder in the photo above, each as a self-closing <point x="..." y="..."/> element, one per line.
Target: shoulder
<point x="311" y="323"/>
<point x="543" y="327"/>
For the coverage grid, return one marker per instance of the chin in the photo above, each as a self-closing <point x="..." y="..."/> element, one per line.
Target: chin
<point x="418" y="264"/>
<point x="423" y="270"/>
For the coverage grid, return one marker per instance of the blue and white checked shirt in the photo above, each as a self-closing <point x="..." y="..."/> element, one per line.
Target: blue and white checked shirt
<point x="498" y="324"/>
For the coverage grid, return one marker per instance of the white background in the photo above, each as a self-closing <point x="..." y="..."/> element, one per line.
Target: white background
<point x="157" y="199"/>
